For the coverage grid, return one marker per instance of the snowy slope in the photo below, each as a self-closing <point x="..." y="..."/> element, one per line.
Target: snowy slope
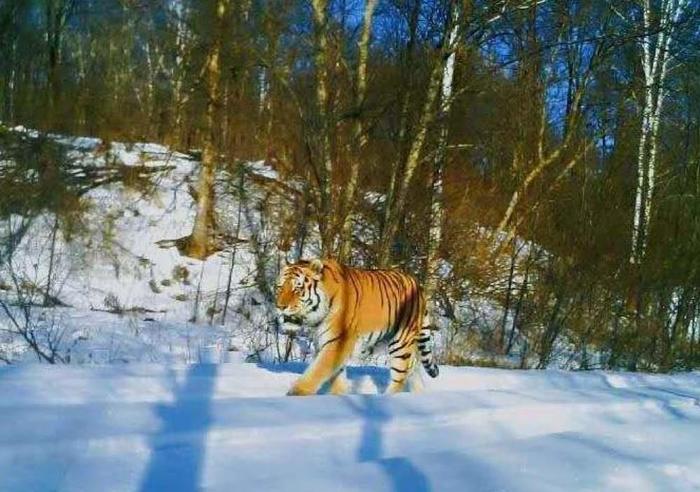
<point x="117" y="260"/>
<point x="118" y="263"/>
<point x="226" y="427"/>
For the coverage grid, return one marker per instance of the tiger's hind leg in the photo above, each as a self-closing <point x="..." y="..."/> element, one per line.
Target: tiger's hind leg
<point x="403" y="347"/>
<point x="415" y="380"/>
<point x="402" y="361"/>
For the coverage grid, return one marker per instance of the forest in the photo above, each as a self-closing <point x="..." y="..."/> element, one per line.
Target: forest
<point x="535" y="163"/>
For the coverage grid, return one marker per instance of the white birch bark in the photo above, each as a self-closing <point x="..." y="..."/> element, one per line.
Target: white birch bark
<point x="262" y="90"/>
<point x="428" y="116"/>
<point x="655" y="64"/>
<point x="437" y="198"/>
<point x="320" y="17"/>
<point x="359" y="138"/>
<point x="181" y="37"/>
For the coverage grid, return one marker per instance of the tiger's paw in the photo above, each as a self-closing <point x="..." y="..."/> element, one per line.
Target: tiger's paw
<point x="340" y="386"/>
<point x="298" y="390"/>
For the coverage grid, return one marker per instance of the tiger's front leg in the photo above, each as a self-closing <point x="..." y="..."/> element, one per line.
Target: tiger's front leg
<point x="332" y="357"/>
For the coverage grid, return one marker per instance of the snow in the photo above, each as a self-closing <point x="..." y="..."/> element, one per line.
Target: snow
<point x="375" y="198"/>
<point x="117" y="255"/>
<point x="261" y="168"/>
<point x="226" y="427"/>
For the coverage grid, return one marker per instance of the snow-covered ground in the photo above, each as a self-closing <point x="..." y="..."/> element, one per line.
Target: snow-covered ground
<point x="226" y="427"/>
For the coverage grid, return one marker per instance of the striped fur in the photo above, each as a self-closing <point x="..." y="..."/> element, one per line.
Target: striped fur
<point x="344" y="306"/>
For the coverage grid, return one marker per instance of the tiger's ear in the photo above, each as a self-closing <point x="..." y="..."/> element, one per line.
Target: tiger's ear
<point x="316" y="266"/>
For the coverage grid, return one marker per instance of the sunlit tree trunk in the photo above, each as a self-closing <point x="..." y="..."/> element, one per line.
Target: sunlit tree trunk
<point x="403" y="116"/>
<point x="436" y="176"/>
<point x="200" y="244"/>
<point x="396" y="200"/>
<point x="359" y="139"/>
<point x="655" y="64"/>
<point x="325" y="167"/>
<point x="181" y="38"/>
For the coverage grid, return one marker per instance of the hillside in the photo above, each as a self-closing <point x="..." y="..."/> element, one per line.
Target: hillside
<point x="120" y="289"/>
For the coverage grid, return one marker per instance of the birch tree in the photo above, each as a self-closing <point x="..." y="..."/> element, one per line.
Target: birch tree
<point x="413" y="17"/>
<point x="359" y="139"/>
<point x="656" y="47"/>
<point x="179" y="11"/>
<point x="436" y="175"/>
<point x="325" y="168"/>
<point x="396" y="199"/>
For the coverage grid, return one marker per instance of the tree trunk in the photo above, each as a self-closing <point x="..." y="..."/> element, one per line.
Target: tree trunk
<point x="359" y="139"/>
<point x="200" y="245"/>
<point x="178" y="97"/>
<point x="501" y="335"/>
<point x="436" y="175"/>
<point x="9" y="96"/>
<point x="428" y="115"/>
<point x="655" y="66"/>
<point x="325" y="170"/>
<point x="52" y="255"/>
<point x="403" y="115"/>
<point x="53" y="45"/>
<point x="518" y="308"/>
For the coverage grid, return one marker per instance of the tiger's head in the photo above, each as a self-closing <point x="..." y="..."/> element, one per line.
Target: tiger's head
<point x="301" y="299"/>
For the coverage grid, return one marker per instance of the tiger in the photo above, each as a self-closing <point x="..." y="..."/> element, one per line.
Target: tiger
<point x="341" y="306"/>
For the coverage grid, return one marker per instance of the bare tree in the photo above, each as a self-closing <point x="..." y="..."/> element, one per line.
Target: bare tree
<point x="57" y="14"/>
<point x="325" y="169"/>
<point x="398" y="192"/>
<point x="203" y="232"/>
<point x="436" y="176"/>
<point x="656" y="47"/>
<point x="359" y="139"/>
<point x="41" y="336"/>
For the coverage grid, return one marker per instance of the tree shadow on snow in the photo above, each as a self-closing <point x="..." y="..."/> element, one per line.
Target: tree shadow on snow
<point x="282" y="367"/>
<point x="379" y="376"/>
<point x="403" y="474"/>
<point x="178" y="448"/>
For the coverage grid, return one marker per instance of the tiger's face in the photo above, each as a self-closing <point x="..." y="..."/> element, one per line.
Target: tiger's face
<point x="300" y="295"/>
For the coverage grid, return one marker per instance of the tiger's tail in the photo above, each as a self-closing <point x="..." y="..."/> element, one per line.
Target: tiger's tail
<point x="427" y="357"/>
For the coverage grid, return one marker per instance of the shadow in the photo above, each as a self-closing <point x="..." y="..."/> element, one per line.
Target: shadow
<point x="660" y="397"/>
<point x="178" y="448"/>
<point x="692" y="397"/>
<point x="403" y="474"/>
<point x="602" y="449"/>
<point x="379" y="376"/>
<point x="291" y="367"/>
